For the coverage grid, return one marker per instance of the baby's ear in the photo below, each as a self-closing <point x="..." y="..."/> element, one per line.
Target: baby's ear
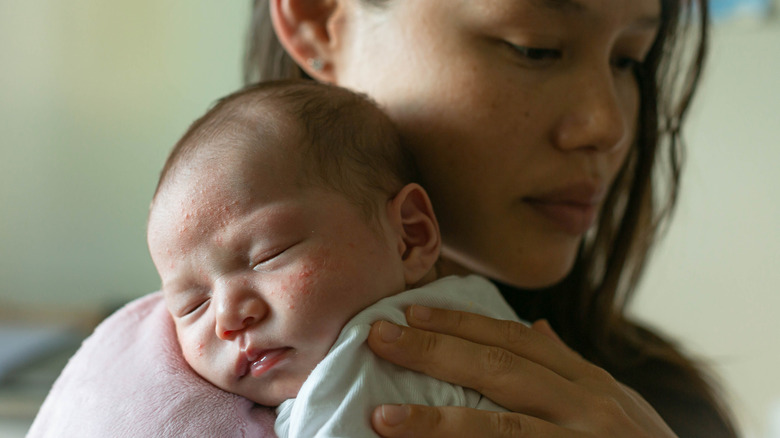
<point x="419" y="242"/>
<point x="309" y="32"/>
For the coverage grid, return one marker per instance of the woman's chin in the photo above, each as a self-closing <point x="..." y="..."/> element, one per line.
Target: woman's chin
<point x="532" y="280"/>
<point x="537" y="273"/>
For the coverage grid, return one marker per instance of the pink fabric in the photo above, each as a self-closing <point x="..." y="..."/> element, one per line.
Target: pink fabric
<point x="129" y="380"/>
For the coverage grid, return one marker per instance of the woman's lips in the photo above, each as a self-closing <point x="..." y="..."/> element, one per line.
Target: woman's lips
<point x="571" y="217"/>
<point x="573" y="209"/>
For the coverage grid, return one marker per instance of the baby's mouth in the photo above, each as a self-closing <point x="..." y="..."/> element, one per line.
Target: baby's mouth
<point x="268" y="360"/>
<point x="258" y="363"/>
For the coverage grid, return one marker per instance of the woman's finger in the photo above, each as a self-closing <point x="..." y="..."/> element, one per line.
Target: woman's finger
<point x="513" y="382"/>
<point x="543" y="326"/>
<point x="434" y="422"/>
<point x="512" y="336"/>
<point x="591" y="402"/>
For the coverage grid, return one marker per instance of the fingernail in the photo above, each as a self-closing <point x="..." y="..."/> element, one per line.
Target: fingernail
<point x="389" y="332"/>
<point x="394" y="415"/>
<point x="421" y="313"/>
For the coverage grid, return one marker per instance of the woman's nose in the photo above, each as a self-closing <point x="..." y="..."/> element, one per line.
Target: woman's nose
<point x="238" y="306"/>
<point x="596" y="115"/>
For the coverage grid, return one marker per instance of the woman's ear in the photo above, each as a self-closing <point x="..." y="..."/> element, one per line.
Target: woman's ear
<point x="306" y="30"/>
<point x="419" y="242"/>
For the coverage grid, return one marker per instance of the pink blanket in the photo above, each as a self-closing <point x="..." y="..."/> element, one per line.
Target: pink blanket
<point x="129" y="380"/>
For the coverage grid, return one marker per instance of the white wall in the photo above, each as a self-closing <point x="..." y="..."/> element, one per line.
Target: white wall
<point x="95" y="92"/>
<point x="715" y="280"/>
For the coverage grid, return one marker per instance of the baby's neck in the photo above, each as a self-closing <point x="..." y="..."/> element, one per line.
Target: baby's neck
<point x="445" y="267"/>
<point x="430" y="277"/>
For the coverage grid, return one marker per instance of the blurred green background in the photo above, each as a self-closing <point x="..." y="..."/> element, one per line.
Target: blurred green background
<point x="94" y="94"/>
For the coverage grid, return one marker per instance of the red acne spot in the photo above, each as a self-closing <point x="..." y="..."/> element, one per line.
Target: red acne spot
<point x="200" y="349"/>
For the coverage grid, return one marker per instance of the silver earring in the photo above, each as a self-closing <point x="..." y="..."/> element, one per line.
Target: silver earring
<point x="316" y="64"/>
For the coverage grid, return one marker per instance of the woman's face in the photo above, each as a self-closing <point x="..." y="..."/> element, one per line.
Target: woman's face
<point x="520" y="113"/>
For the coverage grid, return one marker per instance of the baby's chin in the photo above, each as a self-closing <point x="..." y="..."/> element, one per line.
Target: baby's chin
<point x="271" y="395"/>
<point x="259" y="391"/>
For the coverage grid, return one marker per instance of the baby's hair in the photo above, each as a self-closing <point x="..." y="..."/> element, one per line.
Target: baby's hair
<point x="344" y="141"/>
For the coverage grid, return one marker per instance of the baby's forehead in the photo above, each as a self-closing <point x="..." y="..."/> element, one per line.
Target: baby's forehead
<point x="234" y="175"/>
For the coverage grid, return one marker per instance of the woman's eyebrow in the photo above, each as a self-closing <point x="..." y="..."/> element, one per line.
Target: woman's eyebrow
<point x="649" y="22"/>
<point x="560" y="5"/>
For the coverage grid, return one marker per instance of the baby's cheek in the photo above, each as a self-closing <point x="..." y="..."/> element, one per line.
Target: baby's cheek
<point x="310" y="276"/>
<point x="193" y="344"/>
<point x="298" y="287"/>
<point x="199" y="349"/>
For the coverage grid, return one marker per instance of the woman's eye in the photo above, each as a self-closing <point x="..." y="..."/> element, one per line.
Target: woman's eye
<point x="536" y="54"/>
<point x="626" y="63"/>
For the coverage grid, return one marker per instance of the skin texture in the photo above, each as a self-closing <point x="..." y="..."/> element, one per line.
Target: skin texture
<point x="252" y="261"/>
<point x="527" y="137"/>
<point x="520" y="114"/>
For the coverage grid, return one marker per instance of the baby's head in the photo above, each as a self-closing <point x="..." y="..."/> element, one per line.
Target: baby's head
<point x="279" y="215"/>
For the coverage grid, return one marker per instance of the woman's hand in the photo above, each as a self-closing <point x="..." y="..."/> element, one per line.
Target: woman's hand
<point x="549" y="389"/>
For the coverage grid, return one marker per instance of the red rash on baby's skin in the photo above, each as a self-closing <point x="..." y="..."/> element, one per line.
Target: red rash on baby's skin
<point x="299" y="283"/>
<point x="332" y="268"/>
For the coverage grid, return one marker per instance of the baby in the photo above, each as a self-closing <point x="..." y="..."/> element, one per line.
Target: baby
<point x="285" y="222"/>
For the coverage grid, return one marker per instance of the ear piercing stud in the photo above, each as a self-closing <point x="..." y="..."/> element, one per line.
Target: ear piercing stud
<point x="316" y="64"/>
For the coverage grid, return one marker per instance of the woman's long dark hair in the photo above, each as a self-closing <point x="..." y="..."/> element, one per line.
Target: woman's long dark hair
<point x="587" y="308"/>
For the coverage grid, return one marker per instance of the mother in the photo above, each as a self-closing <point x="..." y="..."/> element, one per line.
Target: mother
<point x="548" y="135"/>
